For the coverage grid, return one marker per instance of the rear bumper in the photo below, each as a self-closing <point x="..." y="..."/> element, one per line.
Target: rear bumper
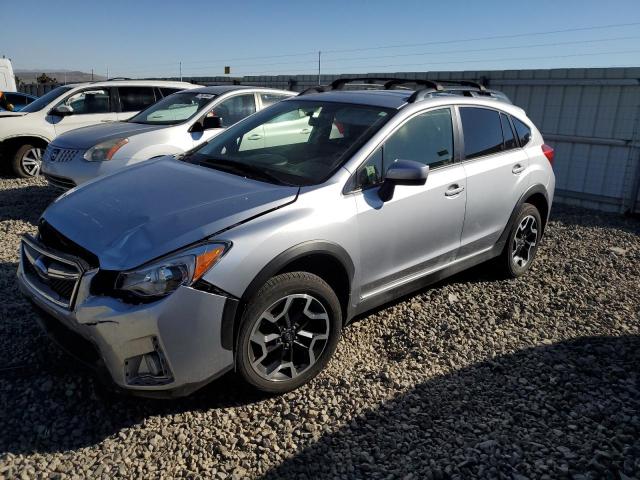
<point x="182" y="331"/>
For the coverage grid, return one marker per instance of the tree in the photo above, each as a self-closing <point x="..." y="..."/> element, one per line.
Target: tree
<point x="44" y="78"/>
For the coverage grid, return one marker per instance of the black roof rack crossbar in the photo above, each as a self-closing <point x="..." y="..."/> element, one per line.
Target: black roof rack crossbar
<point x="389" y="82"/>
<point x="465" y="83"/>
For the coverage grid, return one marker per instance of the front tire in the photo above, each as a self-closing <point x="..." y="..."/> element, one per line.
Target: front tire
<point x="27" y="161"/>
<point x="288" y="332"/>
<point x="522" y="243"/>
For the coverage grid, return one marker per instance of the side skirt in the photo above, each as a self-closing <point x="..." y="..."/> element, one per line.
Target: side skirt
<point x="394" y="293"/>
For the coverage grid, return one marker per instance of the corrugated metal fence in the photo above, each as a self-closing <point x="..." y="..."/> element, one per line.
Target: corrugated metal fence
<point x="590" y="116"/>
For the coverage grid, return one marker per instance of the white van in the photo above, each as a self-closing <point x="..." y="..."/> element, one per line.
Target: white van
<point x="7" y="79"/>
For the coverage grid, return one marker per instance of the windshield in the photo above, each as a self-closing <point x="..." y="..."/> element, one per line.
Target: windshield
<point x="45" y="100"/>
<point x="174" y="109"/>
<point x="296" y="142"/>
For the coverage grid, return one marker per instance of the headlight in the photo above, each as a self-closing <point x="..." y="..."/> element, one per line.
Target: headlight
<point x="166" y="275"/>
<point x="105" y="150"/>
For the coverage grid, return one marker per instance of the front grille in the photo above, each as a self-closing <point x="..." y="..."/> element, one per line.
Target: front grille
<point x="60" y="155"/>
<point x="59" y="182"/>
<point x="54" y="240"/>
<point x="54" y="276"/>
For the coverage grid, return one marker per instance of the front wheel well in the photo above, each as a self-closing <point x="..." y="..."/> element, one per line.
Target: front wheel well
<point x="328" y="268"/>
<point x="11" y="145"/>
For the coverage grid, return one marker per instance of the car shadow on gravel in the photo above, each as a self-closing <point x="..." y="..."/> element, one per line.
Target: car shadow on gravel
<point x="564" y="409"/>
<point x="26" y="201"/>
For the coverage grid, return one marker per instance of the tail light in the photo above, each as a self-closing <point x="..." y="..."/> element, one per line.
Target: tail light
<point x="548" y="152"/>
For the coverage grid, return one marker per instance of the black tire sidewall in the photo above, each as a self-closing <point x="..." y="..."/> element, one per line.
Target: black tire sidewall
<point x="512" y="269"/>
<point x="16" y="161"/>
<point x="278" y="287"/>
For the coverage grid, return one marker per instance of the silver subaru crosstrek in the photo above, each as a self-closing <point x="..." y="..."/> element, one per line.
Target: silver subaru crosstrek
<point x="168" y="274"/>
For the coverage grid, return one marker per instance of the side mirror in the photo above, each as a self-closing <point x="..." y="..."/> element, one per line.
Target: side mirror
<point x="62" y="110"/>
<point x="211" y="122"/>
<point x="402" y="172"/>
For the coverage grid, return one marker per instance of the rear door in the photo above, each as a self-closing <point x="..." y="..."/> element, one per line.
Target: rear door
<point x="91" y="105"/>
<point x="232" y="110"/>
<point x="495" y="168"/>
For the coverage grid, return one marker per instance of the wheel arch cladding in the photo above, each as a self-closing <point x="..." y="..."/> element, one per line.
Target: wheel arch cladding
<point x="539" y="200"/>
<point x="327" y="260"/>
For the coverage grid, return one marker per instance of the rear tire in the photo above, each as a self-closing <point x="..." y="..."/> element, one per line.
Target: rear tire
<point x="288" y="332"/>
<point x="27" y="160"/>
<point x="522" y="243"/>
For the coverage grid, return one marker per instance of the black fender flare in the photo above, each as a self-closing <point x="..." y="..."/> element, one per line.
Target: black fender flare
<point x="537" y="188"/>
<point x="288" y="256"/>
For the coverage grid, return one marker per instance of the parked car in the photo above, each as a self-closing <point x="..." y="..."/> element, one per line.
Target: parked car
<point x="174" y="271"/>
<point x="175" y="124"/>
<point x="18" y="100"/>
<point x="24" y="135"/>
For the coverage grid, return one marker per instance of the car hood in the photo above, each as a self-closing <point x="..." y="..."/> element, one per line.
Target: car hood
<point x="87" y="137"/>
<point x="6" y="114"/>
<point x="146" y="211"/>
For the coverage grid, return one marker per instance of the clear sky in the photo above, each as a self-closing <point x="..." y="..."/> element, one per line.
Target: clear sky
<point x="149" y="38"/>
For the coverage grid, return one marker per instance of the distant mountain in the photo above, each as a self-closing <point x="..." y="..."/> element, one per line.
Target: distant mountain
<point x="71" y="76"/>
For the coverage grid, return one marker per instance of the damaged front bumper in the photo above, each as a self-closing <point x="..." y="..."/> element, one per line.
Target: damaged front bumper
<point x="167" y="348"/>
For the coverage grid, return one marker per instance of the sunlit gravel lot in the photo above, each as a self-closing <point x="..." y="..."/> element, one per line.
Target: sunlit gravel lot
<point x="476" y="377"/>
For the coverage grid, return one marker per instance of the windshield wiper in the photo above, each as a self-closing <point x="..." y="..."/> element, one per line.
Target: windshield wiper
<point x="242" y="169"/>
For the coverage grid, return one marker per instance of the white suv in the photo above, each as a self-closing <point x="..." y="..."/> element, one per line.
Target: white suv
<point x="24" y="135"/>
<point x="172" y="126"/>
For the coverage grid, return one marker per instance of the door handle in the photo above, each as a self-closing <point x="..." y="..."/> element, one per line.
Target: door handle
<point x="517" y="169"/>
<point x="255" y="136"/>
<point x="305" y="130"/>
<point x="454" y="190"/>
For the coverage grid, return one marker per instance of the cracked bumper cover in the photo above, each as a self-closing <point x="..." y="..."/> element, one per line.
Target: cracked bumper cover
<point x="186" y="326"/>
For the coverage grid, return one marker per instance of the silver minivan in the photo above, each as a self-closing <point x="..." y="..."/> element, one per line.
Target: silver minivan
<point x="175" y="124"/>
<point x="170" y="273"/>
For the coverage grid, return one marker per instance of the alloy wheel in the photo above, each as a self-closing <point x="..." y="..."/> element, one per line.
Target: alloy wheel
<point x="31" y="161"/>
<point x="524" y="241"/>
<point x="289" y="337"/>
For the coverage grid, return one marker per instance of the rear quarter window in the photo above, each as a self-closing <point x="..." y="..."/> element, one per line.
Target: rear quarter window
<point x="523" y="132"/>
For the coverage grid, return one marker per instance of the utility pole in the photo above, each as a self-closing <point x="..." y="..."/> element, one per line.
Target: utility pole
<point x="319" y="55"/>
<point x="107" y="72"/>
<point x="92" y="74"/>
<point x="180" y="70"/>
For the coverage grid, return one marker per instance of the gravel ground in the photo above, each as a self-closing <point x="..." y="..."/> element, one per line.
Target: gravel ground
<point x="477" y="377"/>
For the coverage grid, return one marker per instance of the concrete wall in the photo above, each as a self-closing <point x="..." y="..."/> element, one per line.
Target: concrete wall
<point x="590" y="116"/>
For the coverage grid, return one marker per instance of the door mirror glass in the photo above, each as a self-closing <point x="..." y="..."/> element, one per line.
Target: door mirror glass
<point x="62" y="110"/>
<point x="402" y="172"/>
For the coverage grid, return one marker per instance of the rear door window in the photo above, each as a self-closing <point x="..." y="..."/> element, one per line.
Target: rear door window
<point x="271" y="98"/>
<point x="482" y="131"/>
<point x="168" y="91"/>
<point x="134" y="99"/>
<point x="234" y="109"/>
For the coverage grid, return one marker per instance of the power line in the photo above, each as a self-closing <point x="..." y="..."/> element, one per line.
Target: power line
<point x="439" y="52"/>
<point x="492" y="37"/>
<point x="437" y="42"/>
<point x="543" y="57"/>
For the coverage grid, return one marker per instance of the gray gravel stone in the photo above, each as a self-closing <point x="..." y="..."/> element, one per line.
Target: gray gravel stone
<point x="475" y="377"/>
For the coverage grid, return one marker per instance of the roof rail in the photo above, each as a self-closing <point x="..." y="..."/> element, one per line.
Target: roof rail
<point x="117" y="78"/>
<point x="429" y="87"/>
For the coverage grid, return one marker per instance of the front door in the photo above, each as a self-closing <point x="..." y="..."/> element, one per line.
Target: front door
<point x="418" y="230"/>
<point x="90" y="106"/>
